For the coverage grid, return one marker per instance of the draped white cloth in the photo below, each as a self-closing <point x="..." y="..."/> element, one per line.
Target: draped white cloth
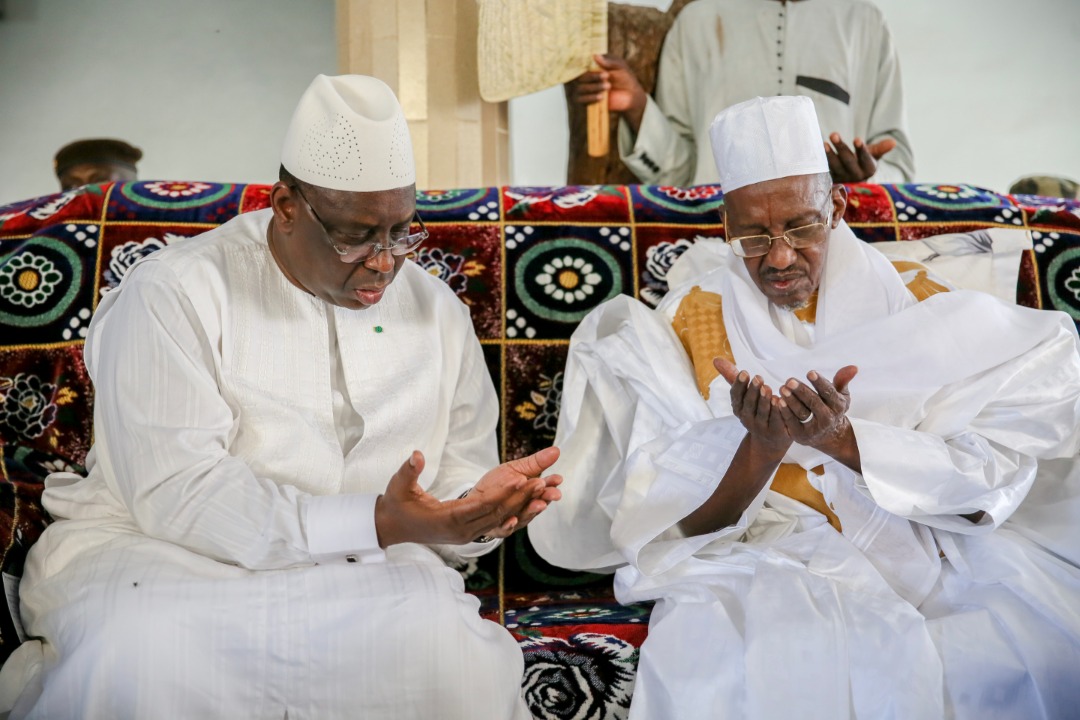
<point x="962" y="403"/>
<point x="220" y="560"/>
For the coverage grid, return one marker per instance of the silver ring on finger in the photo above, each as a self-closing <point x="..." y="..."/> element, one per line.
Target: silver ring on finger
<point x="808" y="418"/>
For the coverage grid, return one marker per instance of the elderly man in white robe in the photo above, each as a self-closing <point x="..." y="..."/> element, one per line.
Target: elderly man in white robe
<point x="294" y="425"/>
<point x="846" y="502"/>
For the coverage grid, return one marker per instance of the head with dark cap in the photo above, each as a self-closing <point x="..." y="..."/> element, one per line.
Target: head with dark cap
<point x="95" y="160"/>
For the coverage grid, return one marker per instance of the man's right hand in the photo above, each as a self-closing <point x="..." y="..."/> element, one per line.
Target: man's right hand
<point x="625" y="94"/>
<point x="757" y="408"/>
<point x="759" y="454"/>
<point x="504" y="500"/>
<point x="858" y="165"/>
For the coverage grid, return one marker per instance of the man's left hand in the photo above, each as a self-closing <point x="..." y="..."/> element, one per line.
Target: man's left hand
<point x="858" y="165"/>
<point x="485" y="500"/>
<point x="817" y="416"/>
<point x="504" y="500"/>
<point x="753" y="402"/>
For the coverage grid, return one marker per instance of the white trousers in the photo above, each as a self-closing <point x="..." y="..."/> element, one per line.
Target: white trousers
<point x="137" y="628"/>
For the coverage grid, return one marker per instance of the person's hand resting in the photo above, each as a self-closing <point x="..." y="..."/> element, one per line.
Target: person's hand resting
<point x="505" y="499"/>
<point x="625" y="93"/>
<point x="858" y="165"/>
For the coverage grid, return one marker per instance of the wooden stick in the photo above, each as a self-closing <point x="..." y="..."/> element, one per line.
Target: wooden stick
<point x="598" y="130"/>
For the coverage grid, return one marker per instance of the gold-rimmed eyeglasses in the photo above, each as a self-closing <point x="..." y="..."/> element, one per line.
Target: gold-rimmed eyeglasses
<point x="749" y="246"/>
<point x="402" y="242"/>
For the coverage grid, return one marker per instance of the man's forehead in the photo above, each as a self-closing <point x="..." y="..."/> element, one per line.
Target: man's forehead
<point x="370" y="204"/>
<point x="102" y="169"/>
<point x="789" y="195"/>
<point x="95" y="165"/>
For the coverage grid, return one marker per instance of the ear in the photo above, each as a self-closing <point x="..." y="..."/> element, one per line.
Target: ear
<point x="839" y="201"/>
<point x="284" y="206"/>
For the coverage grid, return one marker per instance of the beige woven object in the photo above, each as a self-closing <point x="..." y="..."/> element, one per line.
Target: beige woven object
<point x="525" y="46"/>
<point x="699" y="323"/>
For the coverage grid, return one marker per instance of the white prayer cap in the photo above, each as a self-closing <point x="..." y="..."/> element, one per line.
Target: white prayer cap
<point x="349" y="133"/>
<point x="767" y="138"/>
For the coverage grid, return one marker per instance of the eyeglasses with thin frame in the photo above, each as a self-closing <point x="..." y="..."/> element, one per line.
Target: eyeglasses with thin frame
<point x="401" y="242"/>
<point x="750" y="246"/>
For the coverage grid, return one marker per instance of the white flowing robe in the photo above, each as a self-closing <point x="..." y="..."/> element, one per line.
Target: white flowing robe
<point x="721" y="52"/>
<point x="220" y="560"/>
<point x="962" y="403"/>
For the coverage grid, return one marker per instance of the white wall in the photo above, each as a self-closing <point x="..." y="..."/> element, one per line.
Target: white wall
<point x="991" y="86"/>
<point x="204" y="87"/>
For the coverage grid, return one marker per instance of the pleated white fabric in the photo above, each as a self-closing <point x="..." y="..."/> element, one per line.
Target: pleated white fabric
<point x="182" y="582"/>
<point x="962" y="403"/>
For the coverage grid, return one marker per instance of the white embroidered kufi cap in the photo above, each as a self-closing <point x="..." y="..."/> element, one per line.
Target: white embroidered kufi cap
<point x="349" y="133"/>
<point x="765" y="139"/>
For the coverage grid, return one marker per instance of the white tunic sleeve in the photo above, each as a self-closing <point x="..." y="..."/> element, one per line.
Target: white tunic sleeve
<point x="664" y="150"/>
<point x="470" y="449"/>
<point x="163" y="437"/>
<point x="979" y="445"/>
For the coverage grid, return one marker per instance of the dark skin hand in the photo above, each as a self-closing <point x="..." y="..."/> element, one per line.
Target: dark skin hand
<point x="759" y="454"/>
<point x="858" y="165"/>
<point x="772" y="423"/>
<point x="625" y="93"/>
<point x="505" y="499"/>
<point x="826" y="404"/>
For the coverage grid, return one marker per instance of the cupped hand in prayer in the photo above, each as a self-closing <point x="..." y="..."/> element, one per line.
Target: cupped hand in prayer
<point x="505" y="499"/>
<point x="858" y="165"/>
<point x="753" y="402"/>
<point x="817" y="416"/>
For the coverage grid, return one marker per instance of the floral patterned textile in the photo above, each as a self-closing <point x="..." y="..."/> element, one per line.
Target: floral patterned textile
<point x="530" y="263"/>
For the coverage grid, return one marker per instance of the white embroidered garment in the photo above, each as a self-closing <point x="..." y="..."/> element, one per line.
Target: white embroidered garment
<point x="962" y="403"/>
<point x="183" y="582"/>
<point x="722" y="52"/>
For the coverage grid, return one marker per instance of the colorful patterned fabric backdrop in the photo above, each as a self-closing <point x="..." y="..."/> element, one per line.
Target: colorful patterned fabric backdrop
<point x="530" y="262"/>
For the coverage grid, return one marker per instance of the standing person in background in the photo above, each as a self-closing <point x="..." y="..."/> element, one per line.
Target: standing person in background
<point x="722" y="52"/>
<point x="85" y="162"/>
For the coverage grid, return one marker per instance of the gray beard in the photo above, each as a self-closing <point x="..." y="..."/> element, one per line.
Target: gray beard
<point x="795" y="306"/>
